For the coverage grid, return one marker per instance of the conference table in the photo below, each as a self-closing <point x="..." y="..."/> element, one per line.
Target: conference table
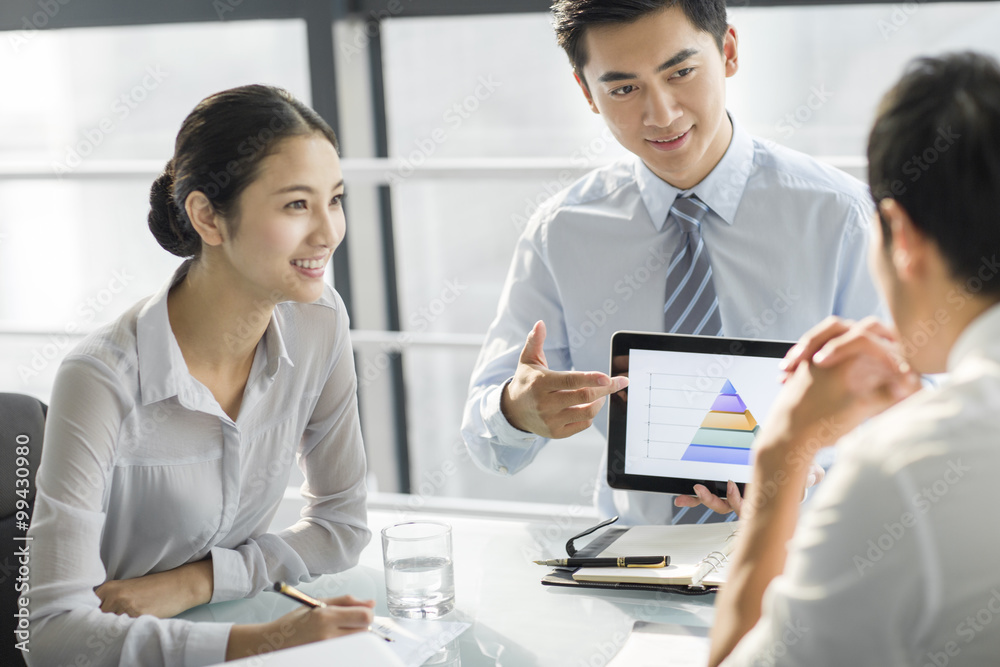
<point x="515" y="621"/>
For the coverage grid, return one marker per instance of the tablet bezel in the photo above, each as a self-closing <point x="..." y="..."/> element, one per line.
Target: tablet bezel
<point x="624" y="341"/>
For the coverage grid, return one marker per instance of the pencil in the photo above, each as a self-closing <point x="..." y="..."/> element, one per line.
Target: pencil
<point x="309" y="601"/>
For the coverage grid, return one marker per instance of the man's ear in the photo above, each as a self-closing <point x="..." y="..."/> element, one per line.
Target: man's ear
<point x="205" y="220"/>
<point x="909" y="247"/>
<point x="586" y="91"/>
<point x="730" y="51"/>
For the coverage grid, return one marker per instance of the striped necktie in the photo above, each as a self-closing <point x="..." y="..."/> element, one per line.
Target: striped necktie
<point x="692" y="306"/>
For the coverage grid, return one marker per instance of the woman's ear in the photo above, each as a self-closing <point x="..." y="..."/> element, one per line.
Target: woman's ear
<point x="204" y="218"/>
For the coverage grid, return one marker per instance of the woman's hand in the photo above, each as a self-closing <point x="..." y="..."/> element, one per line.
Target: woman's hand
<point x="164" y="594"/>
<point x="344" y="615"/>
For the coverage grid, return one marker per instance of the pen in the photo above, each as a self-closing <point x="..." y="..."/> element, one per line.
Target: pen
<point x="310" y="601"/>
<point x="620" y="561"/>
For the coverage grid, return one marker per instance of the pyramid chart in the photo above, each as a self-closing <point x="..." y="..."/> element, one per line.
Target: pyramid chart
<point x="726" y="433"/>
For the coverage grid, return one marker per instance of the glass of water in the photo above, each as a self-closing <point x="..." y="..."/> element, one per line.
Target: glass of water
<point x="419" y="578"/>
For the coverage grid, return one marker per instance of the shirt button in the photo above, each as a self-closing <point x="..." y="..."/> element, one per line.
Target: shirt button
<point x="502" y="470"/>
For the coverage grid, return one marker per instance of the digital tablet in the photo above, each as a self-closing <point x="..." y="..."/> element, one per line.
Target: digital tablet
<point x="692" y="410"/>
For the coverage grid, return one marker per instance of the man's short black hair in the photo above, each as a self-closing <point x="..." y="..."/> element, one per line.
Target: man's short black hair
<point x="571" y="18"/>
<point x="935" y="149"/>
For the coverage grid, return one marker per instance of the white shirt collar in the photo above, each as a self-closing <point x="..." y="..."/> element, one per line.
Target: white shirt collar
<point x="979" y="334"/>
<point x="163" y="373"/>
<point x="722" y="189"/>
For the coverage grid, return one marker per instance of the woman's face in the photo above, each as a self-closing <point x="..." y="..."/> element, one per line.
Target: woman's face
<point x="291" y="219"/>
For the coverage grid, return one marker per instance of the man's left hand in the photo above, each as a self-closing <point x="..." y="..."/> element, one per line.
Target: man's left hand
<point x="734" y="500"/>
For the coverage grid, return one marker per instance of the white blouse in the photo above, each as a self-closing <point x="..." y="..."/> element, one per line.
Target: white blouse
<point x="142" y="472"/>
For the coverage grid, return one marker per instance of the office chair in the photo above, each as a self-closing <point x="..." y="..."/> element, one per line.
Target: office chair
<point x="22" y="421"/>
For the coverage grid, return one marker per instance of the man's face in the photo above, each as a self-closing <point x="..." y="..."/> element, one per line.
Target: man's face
<point x="660" y="84"/>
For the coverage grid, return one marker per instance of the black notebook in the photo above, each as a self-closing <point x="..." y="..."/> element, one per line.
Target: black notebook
<point x="698" y="554"/>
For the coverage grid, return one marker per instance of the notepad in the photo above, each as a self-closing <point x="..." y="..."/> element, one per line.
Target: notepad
<point x="413" y="643"/>
<point x="698" y="555"/>
<point x="359" y="649"/>
<point x="417" y="640"/>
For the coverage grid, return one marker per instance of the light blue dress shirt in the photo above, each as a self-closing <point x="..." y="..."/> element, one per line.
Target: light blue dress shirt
<point x="142" y="471"/>
<point x="787" y="237"/>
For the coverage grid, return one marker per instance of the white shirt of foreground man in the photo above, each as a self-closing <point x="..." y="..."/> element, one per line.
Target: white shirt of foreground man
<point x="903" y="524"/>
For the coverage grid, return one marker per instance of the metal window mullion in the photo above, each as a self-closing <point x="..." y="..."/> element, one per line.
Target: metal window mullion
<point x="397" y="375"/>
<point x="319" y="19"/>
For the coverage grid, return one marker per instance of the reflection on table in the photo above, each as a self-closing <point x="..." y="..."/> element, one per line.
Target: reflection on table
<point x="516" y="622"/>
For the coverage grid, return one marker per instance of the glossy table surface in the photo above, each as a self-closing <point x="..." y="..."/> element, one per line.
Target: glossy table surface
<point x="515" y="621"/>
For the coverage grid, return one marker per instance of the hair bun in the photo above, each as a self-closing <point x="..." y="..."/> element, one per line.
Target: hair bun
<point x="169" y="226"/>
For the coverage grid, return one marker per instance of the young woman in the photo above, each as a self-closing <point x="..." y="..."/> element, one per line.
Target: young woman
<point x="172" y="431"/>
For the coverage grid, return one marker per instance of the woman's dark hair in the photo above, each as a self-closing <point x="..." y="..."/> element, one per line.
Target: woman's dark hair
<point x="571" y="18"/>
<point x="218" y="152"/>
<point x="935" y="149"/>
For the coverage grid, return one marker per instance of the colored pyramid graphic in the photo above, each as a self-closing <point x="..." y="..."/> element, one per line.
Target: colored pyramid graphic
<point x="726" y="433"/>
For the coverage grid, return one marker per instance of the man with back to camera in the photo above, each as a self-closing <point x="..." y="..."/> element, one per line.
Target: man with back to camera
<point x="706" y="230"/>
<point x="895" y="562"/>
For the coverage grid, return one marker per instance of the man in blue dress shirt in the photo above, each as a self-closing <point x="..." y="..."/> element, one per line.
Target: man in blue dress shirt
<point x="778" y="239"/>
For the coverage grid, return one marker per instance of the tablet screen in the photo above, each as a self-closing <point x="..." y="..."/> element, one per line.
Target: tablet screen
<point x="693" y="409"/>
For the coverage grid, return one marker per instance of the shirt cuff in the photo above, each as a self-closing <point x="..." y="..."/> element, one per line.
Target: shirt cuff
<point x="206" y="644"/>
<point x="497" y="424"/>
<point x="231" y="581"/>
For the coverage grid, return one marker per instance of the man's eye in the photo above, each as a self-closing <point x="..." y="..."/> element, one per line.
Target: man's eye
<point x="624" y="90"/>
<point x="683" y="72"/>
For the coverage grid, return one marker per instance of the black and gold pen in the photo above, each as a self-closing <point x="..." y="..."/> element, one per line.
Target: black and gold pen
<point x="309" y="601"/>
<point x="620" y="561"/>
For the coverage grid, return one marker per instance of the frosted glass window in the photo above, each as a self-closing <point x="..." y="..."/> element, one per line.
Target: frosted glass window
<point x="75" y="253"/>
<point x="499" y="87"/>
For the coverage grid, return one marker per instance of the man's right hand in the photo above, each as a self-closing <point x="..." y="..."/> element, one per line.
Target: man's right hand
<point x="553" y="404"/>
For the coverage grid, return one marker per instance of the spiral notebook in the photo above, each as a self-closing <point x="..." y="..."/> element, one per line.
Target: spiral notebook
<point x="698" y="554"/>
